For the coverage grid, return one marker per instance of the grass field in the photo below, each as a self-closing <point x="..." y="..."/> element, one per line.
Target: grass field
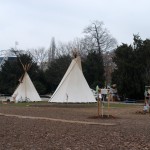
<point x="47" y="104"/>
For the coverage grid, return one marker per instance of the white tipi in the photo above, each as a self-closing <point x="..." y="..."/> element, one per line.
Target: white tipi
<point x="73" y="87"/>
<point x="26" y="90"/>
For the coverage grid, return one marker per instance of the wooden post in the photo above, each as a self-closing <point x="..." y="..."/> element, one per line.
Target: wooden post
<point x="98" y="100"/>
<point x="102" y="107"/>
<point x="98" y="105"/>
<point x="108" y="102"/>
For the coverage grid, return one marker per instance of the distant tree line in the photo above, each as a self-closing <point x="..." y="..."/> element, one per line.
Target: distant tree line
<point x="49" y="66"/>
<point x="103" y="63"/>
<point x="47" y="80"/>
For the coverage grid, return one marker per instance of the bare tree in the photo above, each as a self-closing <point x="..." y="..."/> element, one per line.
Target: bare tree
<point x="40" y="56"/>
<point x="109" y="65"/>
<point x="78" y="45"/>
<point x="67" y="48"/>
<point x="62" y="49"/>
<point x="98" y="38"/>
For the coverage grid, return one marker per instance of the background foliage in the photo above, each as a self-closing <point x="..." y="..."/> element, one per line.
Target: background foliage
<point x="103" y="62"/>
<point x="132" y="71"/>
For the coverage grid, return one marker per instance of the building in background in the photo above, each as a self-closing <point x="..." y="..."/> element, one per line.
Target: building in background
<point x="6" y="55"/>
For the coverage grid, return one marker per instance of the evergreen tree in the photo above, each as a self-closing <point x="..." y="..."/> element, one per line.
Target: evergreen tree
<point x="132" y="71"/>
<point x="93" y="69"/>
<point x="13" y="70"/>
<point x="56" y="71"/>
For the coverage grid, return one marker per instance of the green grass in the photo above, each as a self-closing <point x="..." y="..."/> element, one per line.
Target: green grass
<point x="69" y="105"/>
<point x="23" y="104"/>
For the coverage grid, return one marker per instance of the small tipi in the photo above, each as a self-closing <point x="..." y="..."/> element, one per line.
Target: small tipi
<point x="26" y="90"/>
<point x="73" y="87"/>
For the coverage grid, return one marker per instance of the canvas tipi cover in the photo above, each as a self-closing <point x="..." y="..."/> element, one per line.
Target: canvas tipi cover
<point x="73" y="87"/>
<point x="26" y="90"/>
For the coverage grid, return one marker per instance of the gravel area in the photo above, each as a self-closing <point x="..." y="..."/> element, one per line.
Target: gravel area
<point x="130" y="132"/>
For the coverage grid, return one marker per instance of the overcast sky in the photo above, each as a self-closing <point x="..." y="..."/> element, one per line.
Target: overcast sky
<point x="34" y="22"/>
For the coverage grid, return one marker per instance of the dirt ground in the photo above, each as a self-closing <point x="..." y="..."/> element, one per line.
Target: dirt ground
<point x="71" y="131"/>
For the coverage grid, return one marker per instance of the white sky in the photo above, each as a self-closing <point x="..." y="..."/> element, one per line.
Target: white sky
<point x="34" y="22"/>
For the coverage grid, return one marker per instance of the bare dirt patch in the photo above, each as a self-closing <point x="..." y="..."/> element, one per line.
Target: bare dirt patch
<point x="131" y="131"/>
<point x="103" y="117"/>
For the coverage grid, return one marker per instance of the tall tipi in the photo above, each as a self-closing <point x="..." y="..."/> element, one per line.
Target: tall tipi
<point x="73" y="87"/>
<point x="26" y="90"/>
